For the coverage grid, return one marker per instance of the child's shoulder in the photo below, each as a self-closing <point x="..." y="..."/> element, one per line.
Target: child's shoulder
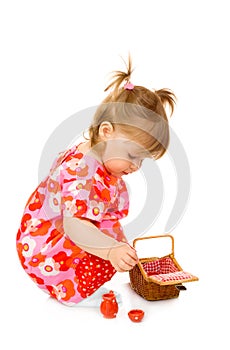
<point x="73" y="162"/>
<point x="62" y="157"/>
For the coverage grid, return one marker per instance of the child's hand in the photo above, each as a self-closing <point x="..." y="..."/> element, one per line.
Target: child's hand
<point x="123" y="258"/>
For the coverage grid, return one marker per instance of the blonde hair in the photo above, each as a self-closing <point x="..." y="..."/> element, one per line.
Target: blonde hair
<point x="121" y="105"/>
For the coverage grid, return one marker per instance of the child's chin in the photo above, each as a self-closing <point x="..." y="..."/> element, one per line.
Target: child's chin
<point x="118" y="174"/>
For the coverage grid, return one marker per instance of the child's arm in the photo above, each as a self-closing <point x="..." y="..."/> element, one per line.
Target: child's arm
<point x="88" y="237"/>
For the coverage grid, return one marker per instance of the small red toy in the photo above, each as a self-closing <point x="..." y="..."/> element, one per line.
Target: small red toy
<point x="136" y="315"/>
<point x="109" y="306"/>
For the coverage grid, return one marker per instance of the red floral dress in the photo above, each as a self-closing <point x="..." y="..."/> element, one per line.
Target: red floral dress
<point x="77" y="186"/>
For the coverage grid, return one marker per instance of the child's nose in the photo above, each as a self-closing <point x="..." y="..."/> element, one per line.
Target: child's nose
<point x="135" y="166"/>
<point x="138" y="163"/>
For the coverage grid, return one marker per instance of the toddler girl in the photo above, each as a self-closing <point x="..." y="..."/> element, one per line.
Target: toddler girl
<point x="70" y="241"/>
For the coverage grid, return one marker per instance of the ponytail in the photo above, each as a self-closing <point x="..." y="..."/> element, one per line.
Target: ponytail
<point x="119" y="76"/>
<point x="167" y="98"/>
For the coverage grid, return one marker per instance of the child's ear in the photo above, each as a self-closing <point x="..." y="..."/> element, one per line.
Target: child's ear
<point x="106" y="130"/>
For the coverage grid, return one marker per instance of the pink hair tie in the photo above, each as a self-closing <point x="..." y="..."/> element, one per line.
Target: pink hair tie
<point x="128" y="86"/>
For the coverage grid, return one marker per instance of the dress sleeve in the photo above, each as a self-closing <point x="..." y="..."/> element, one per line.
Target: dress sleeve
<point x="84" y="191"/>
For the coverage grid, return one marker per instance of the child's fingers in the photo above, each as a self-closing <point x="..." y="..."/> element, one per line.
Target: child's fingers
<point x="129" y="261"/>
<point x="132" y="253"/>
<point x="123" y="258"/>
<point x="124" y="266"/>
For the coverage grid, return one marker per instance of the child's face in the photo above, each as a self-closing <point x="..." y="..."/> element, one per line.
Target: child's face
<point x="122" y="156"/>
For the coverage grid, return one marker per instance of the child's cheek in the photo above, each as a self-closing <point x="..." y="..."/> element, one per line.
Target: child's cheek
<point x="116" y="164"/>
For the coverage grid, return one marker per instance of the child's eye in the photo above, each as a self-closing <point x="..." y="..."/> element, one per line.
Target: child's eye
<point x="131" y="156"/>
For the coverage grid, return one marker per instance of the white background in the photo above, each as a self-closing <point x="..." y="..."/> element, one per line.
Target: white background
<point x="55" y="57"/>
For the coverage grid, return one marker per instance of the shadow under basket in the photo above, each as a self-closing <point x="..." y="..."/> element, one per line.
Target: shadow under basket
<point x="159" y="278"/>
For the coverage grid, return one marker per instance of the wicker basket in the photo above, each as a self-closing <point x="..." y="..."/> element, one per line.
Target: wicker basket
<point x="153" y="287"/>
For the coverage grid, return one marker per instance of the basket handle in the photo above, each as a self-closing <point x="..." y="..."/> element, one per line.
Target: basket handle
<point x="158" y="236"/>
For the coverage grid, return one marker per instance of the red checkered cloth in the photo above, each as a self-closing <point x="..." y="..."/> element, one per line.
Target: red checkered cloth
<point x="164" y="270"/>
<point x="174" y="276"/>
<point x="159" y="266"/>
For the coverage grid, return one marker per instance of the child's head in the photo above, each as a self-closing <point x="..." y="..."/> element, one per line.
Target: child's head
<point x="135" y="113"/>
